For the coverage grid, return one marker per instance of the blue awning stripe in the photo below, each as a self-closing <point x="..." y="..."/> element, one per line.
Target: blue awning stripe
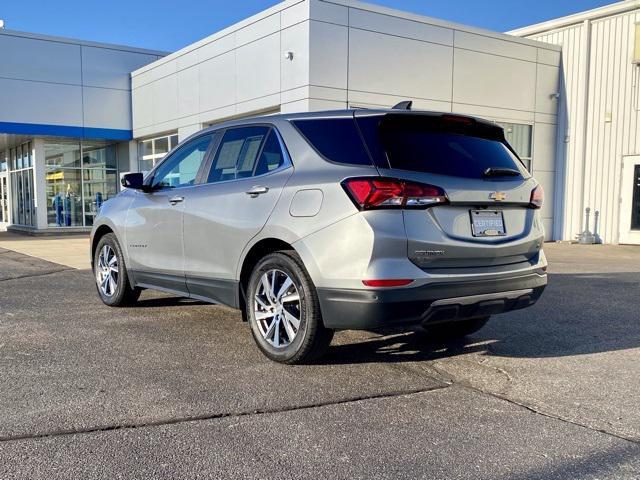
<point x="65" y="131"/>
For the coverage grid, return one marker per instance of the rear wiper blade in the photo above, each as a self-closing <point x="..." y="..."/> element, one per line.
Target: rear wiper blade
<point x="501" y="172"/>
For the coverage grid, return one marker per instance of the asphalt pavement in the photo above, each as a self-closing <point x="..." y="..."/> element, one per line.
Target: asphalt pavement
<point x="174" y="388"/>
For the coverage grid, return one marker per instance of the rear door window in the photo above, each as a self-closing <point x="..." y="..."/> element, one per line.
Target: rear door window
<point x="438" y="145"/>
<point x="237" y="154"/>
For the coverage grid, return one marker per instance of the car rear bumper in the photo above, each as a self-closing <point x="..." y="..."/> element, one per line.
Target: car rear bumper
<point x="432" y="303"/>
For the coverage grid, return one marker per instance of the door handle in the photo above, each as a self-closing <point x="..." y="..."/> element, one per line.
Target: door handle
<point x="257" y="190"/>
<point x="176" y="199"/>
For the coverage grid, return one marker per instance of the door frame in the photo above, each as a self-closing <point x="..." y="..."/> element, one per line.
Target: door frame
<point x="4" y="185"/>
<point x="625" y="234"/>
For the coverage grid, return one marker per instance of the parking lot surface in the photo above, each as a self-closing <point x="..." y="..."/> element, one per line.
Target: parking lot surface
<point x="176" y="388"/>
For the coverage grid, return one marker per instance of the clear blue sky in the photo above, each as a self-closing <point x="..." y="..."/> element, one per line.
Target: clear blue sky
<point x="170" y="25"/>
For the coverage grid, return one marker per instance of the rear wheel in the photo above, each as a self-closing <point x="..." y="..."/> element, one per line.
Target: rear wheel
<point x="284" y="312"/>
<point x="457" y="329"/>
<point x="110" y="274"/>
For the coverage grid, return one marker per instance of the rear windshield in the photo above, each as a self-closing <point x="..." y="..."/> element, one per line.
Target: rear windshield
<point x="438" y="145"/>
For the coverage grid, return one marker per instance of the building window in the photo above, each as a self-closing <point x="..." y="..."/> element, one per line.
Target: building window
<point x="22" y="192"/>
<point x="80" y="177"/>
<point x="152" y="150"/>
<point x="519" y="137"/>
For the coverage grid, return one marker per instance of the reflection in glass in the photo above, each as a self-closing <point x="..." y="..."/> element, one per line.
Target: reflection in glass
<point x="79" y="179"/>
<point x="99" y="186"/>
<point x="62" y="154"/>
<point x="98" y="154"/>
<point x="63" y="190"/>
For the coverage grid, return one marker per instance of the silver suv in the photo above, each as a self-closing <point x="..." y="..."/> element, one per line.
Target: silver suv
<point x="315" y="222"/>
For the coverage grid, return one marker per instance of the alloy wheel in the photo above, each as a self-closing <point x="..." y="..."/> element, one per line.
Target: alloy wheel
<point x="107" y="271"/>
<point x="277" y="308"/>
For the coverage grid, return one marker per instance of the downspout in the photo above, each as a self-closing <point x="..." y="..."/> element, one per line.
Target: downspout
<point x="584" y="110"/>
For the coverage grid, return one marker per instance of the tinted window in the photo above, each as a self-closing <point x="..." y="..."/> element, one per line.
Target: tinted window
<point x="336" y="139"/>
<point x="181" y="168"/>
<point x="271" y="156"/>
<point x="433" y="145"/>
<point x="237" y="154"/>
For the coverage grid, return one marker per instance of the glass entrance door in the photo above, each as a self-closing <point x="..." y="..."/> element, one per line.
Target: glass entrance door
<point x="630" y="205"/>
<point x="4" y="199"/>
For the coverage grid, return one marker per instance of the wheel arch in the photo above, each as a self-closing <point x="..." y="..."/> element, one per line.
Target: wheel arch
<point x="100" y="232"/>
<point x="257" y="251"/>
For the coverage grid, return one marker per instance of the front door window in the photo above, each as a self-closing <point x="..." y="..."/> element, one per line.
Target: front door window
<point x="181" y="168"/>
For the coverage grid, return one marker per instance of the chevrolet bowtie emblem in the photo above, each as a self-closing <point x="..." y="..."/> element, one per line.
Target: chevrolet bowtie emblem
<point x="498" y="196"/>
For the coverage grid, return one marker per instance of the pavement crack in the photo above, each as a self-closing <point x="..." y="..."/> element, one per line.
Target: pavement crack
<point x="545" y="414"/>
<point x="37" y="274"/>
<point x="217" y="416"/>
<point x="446" y="378"/>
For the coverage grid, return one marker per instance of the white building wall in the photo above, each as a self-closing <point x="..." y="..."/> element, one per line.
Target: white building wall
<point x="351" y="54"/>
<point x="599" y="115"/>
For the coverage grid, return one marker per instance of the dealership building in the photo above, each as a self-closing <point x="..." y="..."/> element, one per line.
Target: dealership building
<point x="75" y="115"/>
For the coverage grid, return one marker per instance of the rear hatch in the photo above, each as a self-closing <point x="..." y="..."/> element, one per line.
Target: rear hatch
<point x="487" y="219"/>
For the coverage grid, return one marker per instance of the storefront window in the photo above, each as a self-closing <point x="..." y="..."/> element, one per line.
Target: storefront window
<point x="98" y="155"/>
<point x="64" y="188"/>
<point x="151" y="151"/>
<point x="77" y="189"/>
<point x="62" y="154"/>
<point x="99" y="185"/>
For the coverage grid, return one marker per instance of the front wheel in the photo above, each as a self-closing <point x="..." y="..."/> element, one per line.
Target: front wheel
<point x="284" y="311"/>
<point x="110" y="274"/>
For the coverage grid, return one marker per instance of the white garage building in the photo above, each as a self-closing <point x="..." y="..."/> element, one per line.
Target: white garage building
<point x="599" y="115"/>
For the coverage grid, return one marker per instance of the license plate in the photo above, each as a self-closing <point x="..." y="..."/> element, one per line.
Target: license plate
<point x="487" y="223"/>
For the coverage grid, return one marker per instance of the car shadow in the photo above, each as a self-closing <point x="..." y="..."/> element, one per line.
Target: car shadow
<point x="166" y="301"/>
<point x="577" y="314"/>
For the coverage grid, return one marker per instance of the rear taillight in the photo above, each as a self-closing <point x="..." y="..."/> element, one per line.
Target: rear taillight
<point x="377" y="192"/>
<point x="537" y="197"/>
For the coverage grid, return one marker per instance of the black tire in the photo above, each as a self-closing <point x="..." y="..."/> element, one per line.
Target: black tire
<point x="123" y="293"/>
<point x="312" y="338"/>
<point x="457" y="329"/>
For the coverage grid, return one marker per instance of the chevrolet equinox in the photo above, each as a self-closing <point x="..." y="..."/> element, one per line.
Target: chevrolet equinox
<point x="315" y="222"/>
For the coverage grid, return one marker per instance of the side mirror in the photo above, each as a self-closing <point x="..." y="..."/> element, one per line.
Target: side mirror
<point x="134" y="181"/>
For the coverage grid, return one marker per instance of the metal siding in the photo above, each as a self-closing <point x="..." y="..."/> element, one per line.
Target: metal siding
<point x="612" y="87"/>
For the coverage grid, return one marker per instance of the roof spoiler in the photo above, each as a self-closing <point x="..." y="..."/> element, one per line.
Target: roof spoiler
<point x="405" y="105"/>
